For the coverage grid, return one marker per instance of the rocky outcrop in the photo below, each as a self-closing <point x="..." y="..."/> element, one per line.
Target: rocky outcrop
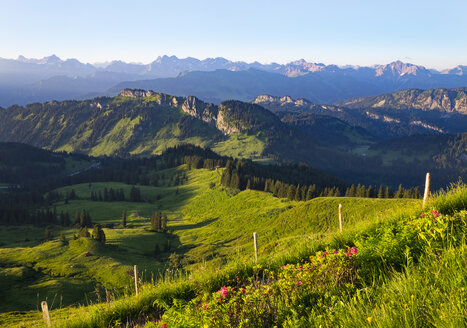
<point x="136" y="93"/>
<point x="443" y="100"/>
<point x="223" y="125"/>
<point x="281" y="101"/>
<point x="199" y="109"/>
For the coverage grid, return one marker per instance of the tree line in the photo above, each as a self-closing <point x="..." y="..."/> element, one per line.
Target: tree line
<point x="242" y="175"/>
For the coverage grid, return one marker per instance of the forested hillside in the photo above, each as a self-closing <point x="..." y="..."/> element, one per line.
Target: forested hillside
<point x="141" y="123"/>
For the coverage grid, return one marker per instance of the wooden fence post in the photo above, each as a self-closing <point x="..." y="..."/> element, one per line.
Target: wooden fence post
<point x="45" y="314"/>
<point x="427" y="189"/>
<point x="256" y="246"/>
<point x="136" y="279"/>
<point x="340" y="217"/>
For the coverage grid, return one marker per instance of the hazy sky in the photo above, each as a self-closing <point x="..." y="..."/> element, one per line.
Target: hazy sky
<point x="357" y="32"/>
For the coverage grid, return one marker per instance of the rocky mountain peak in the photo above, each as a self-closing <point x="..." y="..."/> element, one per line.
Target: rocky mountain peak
<point x="265" y="99"/>
<point x="458" y="70"/>
<point x="50" y="60"/>
<point x="399" y="68"/>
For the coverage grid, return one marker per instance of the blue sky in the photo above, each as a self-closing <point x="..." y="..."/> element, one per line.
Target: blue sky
<point x="356" y="32"/>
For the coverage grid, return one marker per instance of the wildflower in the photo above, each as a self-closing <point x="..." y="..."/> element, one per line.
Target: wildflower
<point x="335" y="252"/>
<point x="206" y="306"/>
<point x="435" y="213"/>
<point x="164" y="325"/>
<point x="284" y="266"/>
<point x="243" y="291"/>
<point x="351" y="251"/>
<point x="422" y="215"/>
<point x="370" y="319"/>
<point x="325" y="253"/>
<point x="224" y="291"/>
<point x="299" y="283"/>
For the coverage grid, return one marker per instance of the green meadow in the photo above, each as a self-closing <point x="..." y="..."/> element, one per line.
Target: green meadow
<point x="209" y="229"/>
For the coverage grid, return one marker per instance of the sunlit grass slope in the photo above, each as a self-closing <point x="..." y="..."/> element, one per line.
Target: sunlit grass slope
<point x="210" y="227"/>
<point x="400" y="279"/>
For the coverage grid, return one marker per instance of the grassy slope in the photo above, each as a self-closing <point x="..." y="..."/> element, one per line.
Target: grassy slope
<point x="211" y="227"/>
<point x="241" y="145"/>
<point x="429" y="294"/>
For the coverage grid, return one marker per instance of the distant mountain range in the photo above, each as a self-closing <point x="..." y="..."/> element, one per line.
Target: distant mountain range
<point x="25" y="80"/>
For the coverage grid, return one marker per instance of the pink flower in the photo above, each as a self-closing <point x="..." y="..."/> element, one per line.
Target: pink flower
<point x="299" y="283"/>
<point x="243" y="290"/>
<point x="284" y="266"/>
<point x="206" y="306"/>
<point x="348" y="253"/>
<point x="224" y="291"/>
<point x="325" y="253"/>
<point x="435" y="213"/>
<point x="164" y="325"/>
<point x="422" y="215"/>
<point x="335" y="252"/>
<point x="352" y="250"/>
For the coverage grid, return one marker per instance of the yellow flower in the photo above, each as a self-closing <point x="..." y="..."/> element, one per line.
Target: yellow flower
<point x="370" y="319"/>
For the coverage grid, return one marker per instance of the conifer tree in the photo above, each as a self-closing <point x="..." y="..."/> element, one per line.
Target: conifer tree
<point x="310" y="194"/>
<point x="399" y="192"/>
<point x="82" y="218"/>
<point x="235" y="181"/>
<point x="303" y="193"/>
<point x="291" y="192"/>
<point x="407" y="193"/>
<point x="124" y="218"/>
<point x="352" y="191"/>
<point x="337" y="192"/>
<point x="77" y="218"/>
<point x="369" y="192"/>
<point x="163" y="222"/>
<point x="380" y="192"/>
<point x="386" y="192"/>
<point x="98" y="233"/>
<point x="297" y="195"/>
